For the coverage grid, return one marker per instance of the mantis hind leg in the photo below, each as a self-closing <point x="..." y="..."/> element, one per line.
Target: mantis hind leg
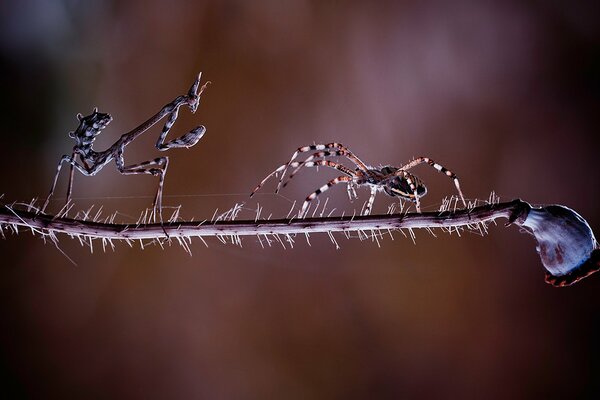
<point x="157" y="167"/>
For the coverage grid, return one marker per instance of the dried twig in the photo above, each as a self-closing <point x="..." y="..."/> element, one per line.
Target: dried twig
<point x="566" y="243"/>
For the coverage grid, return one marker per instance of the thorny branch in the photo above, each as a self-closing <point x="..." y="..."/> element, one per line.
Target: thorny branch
<point x="445" y="219"/>
<point x="566" y="243"/>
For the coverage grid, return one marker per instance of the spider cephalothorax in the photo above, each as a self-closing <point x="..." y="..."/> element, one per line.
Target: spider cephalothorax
<point x="89" y="162"/>
<point x="393" y="181"/>
<point x="90" y="127"/>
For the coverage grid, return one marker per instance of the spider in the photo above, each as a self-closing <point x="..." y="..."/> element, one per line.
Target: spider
<point x="91" y="162"/>
<point x="393" y="181"/>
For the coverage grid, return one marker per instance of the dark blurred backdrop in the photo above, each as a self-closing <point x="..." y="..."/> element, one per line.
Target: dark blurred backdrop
<point x="504" y="93"/>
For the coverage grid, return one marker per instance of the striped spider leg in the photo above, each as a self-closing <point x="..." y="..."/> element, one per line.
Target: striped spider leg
<point x="299" y="164"/>
<point x="438" y="167"/>
<point x="342" y="151"/>
<point x="324" y="188"/>
<point x="89" y="162"/>
<point x="393" y="181"/>
<point x="324" y="154"/>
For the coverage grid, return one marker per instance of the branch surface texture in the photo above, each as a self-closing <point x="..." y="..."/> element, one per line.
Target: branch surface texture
<point x="566" y="243"/>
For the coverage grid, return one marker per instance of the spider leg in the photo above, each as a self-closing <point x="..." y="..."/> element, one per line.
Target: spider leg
<point x="320" y="154"/>
<point x="71" y="160"/>
<point x="278" y="169"/>
<point x="369" y="206"/>
<point x="324" y="188"/>
<point x="318" y="163"/>
<point x="347" y="153"/>
<point x="439" y="168"/>
<point x="351" y="191"/>
<point x="298" y="164"/>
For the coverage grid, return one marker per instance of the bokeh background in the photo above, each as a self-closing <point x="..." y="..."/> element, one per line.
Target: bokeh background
<point x="504" y="93"/>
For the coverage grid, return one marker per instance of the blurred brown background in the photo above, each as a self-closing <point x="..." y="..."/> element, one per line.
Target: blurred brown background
<point x="504" y="93"/>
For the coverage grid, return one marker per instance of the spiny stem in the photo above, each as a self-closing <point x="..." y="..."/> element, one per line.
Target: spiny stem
<point x="445" y="219"/>
<point x="566" y="244"/>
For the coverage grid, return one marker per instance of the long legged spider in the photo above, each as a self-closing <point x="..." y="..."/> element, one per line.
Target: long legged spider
<point x="91" y="162"/>
<point x="393" y="181"/>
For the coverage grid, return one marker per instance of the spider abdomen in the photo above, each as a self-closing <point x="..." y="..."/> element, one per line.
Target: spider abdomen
<point x="400" y="186"/>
